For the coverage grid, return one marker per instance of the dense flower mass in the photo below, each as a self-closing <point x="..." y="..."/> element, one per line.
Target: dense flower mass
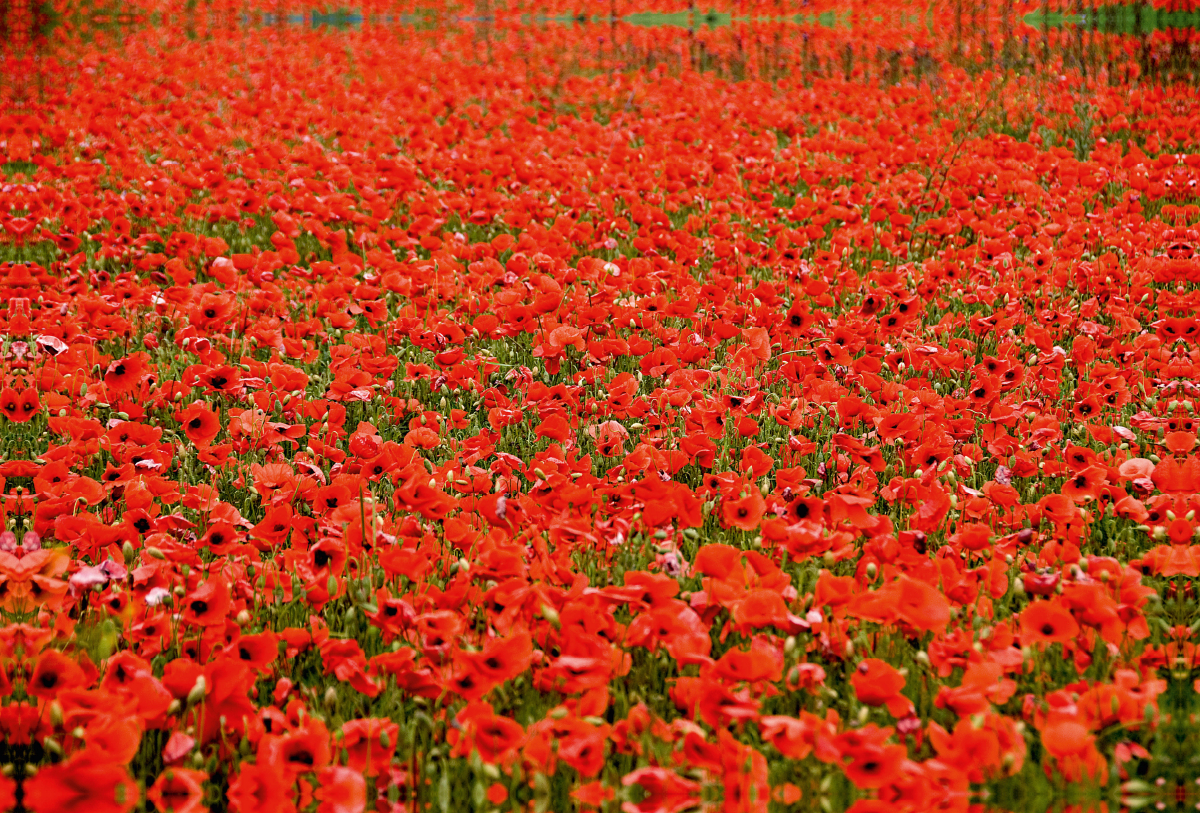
<point x="783" y="407"/>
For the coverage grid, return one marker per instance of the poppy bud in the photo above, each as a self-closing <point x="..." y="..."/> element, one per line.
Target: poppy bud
<point x="331" y="698"/>
<point x="128" y="553"/>
<point x="173" y="708"/>
<point x="56" y="713"/>
<point x="197" y="692"/>
<point x="51" y="745"/>
<point x="551" y="615"/>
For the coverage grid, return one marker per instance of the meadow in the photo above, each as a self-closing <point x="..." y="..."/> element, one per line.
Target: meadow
<point x="783" y="406"/>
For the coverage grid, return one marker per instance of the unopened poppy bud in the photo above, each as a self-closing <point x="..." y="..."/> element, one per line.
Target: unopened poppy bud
<point x="828" y="559"/>
<point x="128" y="553"/>
<point x="56" y="713"/>
<point x="922" y="657"/>
<point x="243" y="618"/>
<point x="789" y="645"/>
<point x="197" y="692"/>
<point x="155" y="553"/>
<point x="331" y="698"/>
<point x="7" y="769"/>
<point x="51" y="745"/>
<point x="872" y="570"/>
<point x="173" y="708"/>
<point x="551" y="615"/>
<point x="864" y="714"/>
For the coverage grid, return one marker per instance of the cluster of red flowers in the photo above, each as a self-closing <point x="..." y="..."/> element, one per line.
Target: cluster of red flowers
<point x="594" y="417"/>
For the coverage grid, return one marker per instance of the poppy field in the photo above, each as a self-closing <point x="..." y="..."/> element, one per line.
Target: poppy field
<point x="785" y="407"/>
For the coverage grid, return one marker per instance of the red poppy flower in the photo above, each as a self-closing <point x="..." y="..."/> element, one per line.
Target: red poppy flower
<point x="200" y="424"/>
<point x="340" y="790"/>
<point x="1048" y="622"/>
<point x="19" y="407"/>
<point x="180" y="790"/>
<point x="85" y="782"/>
<point x="745" y="512"/>
<point x="259" y="788"/>
<point x="125" y="374"/>
<point x="879" y="684"/>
